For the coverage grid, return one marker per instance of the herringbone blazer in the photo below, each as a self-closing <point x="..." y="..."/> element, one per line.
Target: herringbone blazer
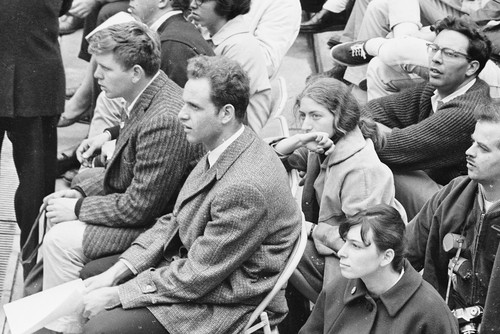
<point x="152" y="159"/>
<point x="221" y="250"/>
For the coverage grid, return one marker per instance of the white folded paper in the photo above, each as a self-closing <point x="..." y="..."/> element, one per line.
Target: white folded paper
<point x="120" y="17"/>
<point x="31" y="313"/>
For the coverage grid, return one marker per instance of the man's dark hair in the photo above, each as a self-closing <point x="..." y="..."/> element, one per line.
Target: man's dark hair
<point x="229" y="9"/>
<point x="479" y="45"/>
<point x="181" y="4"/>
<point x="228" y="81"/>
<point x="132" y="43"/>
<point x="387" y="227"/>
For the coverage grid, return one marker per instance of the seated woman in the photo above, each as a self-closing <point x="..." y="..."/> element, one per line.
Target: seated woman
<point x="379" y="292"/>
<point x="343" y="174"/>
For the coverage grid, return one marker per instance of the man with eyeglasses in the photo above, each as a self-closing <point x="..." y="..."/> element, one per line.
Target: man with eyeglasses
<point x="427" y="128"/>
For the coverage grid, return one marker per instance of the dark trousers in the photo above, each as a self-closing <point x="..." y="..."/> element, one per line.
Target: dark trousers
<point x="34" y="145"/>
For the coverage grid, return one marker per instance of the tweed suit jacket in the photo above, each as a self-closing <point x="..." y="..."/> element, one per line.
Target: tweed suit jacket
<point x="236" y="224"/>
<point x="151" y="160"/>
<point x="31" y="69"/>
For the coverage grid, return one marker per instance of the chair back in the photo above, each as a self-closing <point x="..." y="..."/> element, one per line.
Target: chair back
<point x="291" y="264"/>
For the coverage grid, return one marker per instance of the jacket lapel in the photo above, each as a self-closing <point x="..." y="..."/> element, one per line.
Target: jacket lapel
<point x="200" y="178"/>
<point x="138" y="112"/>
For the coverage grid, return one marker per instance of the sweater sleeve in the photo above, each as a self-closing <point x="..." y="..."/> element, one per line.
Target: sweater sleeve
<point x="420" y="138"/>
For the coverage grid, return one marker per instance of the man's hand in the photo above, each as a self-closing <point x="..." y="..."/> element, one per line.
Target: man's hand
<point x="90" y="148"/>
<point x="327" y="239"/>
<point x="61" y="210"/>
<point x="82" y="8"/>
<point x="98" y="300"/>
<point x="318" y="142"/>
<point x="108" y="278"/>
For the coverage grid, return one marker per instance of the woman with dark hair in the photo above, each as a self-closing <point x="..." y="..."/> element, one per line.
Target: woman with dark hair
<point x="231" y="37"/>
<point x="379" y="292"/>
<point x="343" y="173"/>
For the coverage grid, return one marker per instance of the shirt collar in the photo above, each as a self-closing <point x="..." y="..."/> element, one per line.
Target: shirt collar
<point x="214" y="155"/>
<point x="461" y="91"/>
<point x="156" y="25"/>
<point x="238" y="25"/>
<point x="131" y="105"/>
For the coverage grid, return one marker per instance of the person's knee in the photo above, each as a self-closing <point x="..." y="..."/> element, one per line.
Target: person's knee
<point x="59" y="237"/>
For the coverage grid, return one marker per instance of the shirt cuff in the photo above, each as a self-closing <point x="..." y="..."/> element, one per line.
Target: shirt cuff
<point x="129" y="266"/>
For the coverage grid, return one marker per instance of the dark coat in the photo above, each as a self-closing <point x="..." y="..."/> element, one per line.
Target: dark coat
<point x="180" y="41"/>
<point x="410" y="306"/>
<point x="447" y="212"/>
<point x="31" y="70"/>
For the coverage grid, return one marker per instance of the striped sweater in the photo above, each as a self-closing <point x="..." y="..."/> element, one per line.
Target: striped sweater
<point x="424" y="140"/>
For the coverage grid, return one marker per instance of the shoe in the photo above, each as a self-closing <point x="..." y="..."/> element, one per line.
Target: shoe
<point x="65" y="120"/>
<point x="66" y="162"/>
<point x="68" y="24"/>
<point x="336" y="72"/>
<point x="351" y="54"/>
<point x="324" y="20"/>
<point x="332" y="42"/>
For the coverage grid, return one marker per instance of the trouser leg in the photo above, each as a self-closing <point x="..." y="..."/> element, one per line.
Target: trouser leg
<point x="34" y="146"/>
<point x="120" y="321"/>
<point x="63" y="259"/>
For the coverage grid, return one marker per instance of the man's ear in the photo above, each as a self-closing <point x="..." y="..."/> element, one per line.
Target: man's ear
<point x="163" y="3"/>
<point x="473" y="68"/>
<point x="227" y="113"/>
<point x="137" y="73"/>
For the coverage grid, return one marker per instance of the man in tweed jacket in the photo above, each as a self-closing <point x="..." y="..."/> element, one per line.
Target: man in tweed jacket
<point x="152" y="158"/>
<point x="428" y="127"/>
<point x="205" y="267"/>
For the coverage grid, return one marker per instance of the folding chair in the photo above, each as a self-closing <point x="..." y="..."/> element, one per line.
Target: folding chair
<point x="293" y="261"/>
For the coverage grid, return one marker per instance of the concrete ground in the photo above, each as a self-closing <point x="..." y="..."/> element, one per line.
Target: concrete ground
<point x="297" y="65"/>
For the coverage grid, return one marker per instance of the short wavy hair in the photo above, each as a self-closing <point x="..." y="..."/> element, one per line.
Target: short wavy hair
<point x="228" y="81"/>
<point x="132" y="43"/>
<point x="387" y="227"/>
<point x="479" y="45"/>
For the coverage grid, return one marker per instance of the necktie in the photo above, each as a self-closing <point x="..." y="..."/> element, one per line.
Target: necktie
<point x="123" y="115"/>
<point x="439" y="105"/>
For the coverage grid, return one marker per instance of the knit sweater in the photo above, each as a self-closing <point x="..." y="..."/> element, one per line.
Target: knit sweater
<point x="152" y="158"/>
<point x="425" y="140"/>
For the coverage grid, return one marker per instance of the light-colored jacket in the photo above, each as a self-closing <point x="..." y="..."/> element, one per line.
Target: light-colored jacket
<point x="233" y="228"/>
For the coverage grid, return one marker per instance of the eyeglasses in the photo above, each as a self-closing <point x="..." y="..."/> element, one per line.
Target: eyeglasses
<point x="447" y="53"/>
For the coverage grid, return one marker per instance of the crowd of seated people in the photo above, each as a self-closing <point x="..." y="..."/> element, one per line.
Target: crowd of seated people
<point x="189" y="224"/>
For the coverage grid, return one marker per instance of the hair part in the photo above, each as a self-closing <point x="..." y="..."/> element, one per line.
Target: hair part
<point x="387" y="227"/>
<point x="479" y="45"/>
<point x="335" y="96"/>
<point x="132" y="43"/>
<point x="229" y="9"/>
<point x="228" y="81"/>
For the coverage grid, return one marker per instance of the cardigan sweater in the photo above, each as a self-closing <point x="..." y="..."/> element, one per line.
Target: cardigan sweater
<point x="422" y="139"/>
<point x="410" y="306"/>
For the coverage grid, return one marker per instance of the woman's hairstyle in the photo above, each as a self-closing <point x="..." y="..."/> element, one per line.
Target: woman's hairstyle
<point x="132" y="43"/>
<point x="387" y="227"/>
<point x="479" y="45"/>
<point x="229" y="9"/>
<point x="337" y="98"/>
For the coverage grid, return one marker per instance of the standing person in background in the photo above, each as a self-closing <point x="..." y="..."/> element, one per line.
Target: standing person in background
<point x="31" y="100"/>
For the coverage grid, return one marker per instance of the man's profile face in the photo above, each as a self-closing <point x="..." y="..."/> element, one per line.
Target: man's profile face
<point x="199" y="116"/>
<point x="483" y="157"/>
<point x="114" y="80"/>
<point x="445" y="73"/>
